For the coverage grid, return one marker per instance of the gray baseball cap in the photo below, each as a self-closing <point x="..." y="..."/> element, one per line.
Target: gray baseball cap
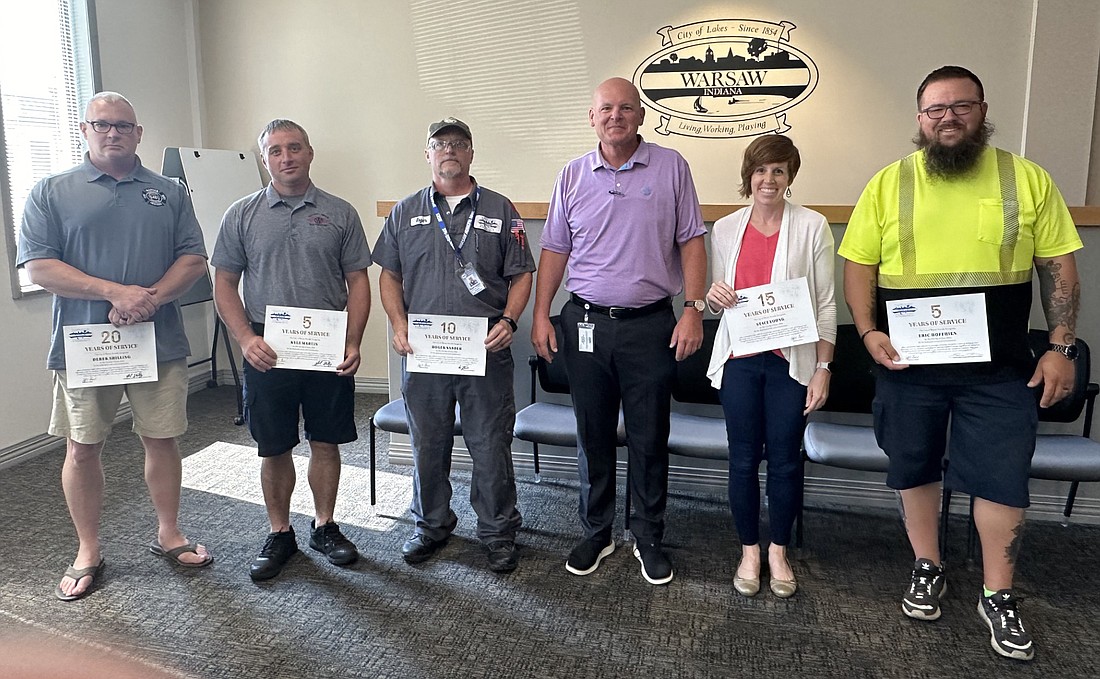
<point x="436" y="128"/>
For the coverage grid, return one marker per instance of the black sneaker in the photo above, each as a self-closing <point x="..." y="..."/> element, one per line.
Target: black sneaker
<point x="656" y="568"/>
<point x="503" y="556"/>
<point x="420" y="548"/>
<point x="929" y="584"/>
<point x="1007" y="634"/>
<point x="277" y="550"/>
<point x="331" y="542"/>
<point x="588" y="554"/>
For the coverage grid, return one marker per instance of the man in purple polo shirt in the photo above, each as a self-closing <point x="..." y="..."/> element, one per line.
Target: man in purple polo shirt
<point x="625" y="224"/>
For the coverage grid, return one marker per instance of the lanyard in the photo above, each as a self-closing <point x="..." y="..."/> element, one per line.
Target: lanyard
<point x="469" y="223"/>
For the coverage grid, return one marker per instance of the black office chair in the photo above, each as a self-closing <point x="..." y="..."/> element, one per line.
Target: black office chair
<point x="853" y="446"/>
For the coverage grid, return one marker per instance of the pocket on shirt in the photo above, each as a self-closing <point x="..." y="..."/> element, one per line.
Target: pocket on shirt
<point x="991" y="219"/>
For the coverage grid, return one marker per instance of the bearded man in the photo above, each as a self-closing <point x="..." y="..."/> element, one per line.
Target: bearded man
<point x="946" y="239"/>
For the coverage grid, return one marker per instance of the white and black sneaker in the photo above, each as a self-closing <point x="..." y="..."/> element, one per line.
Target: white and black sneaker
<point x="922" y="600"/>
<point x="1007" y="634"/>
<point x="656" y="567"/>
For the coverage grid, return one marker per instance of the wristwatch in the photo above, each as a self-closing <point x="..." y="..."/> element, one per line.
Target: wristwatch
<point x="697" y="304"/>
<point x="823" y="365"/>
<point x="1067" y="350"/>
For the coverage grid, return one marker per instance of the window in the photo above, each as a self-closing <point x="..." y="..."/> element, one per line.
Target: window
<point x="46" y="79"/>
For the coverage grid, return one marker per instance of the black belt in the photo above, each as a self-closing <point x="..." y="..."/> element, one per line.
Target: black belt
<point x="622" y="311"/>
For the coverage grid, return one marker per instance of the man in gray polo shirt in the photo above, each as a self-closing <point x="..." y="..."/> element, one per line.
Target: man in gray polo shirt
<point x="115" y="242"/>
<point x="296" y="246"/>
<point x="456" y="248"/>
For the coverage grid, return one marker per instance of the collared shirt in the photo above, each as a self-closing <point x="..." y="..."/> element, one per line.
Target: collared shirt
<point x="411" y="244"/>
<point x="622" y="227"/>
<point x="128" y="231"/>
<point x="292" y="255"/>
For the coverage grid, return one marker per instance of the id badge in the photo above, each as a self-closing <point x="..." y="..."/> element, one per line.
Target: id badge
<point x="469" y="276"/>
<point x="585" y="338"/>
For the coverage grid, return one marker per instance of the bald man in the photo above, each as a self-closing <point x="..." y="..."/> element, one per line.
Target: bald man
<point x="625" y="225"/>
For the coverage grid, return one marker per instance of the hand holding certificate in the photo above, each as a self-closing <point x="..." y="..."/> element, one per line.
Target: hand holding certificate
<point x="306" y="339"/>
<point x="772" y="316"/>
<point x="936" y="330"/>
<point x="100" y="354"/>
<point x="447" y="345"/>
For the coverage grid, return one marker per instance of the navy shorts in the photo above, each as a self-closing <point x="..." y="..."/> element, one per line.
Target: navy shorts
<point x="992" y="437"/>
<point x="273" y="399"/>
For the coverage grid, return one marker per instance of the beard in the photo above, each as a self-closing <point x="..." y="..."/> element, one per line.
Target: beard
<point x="949" y="161"/>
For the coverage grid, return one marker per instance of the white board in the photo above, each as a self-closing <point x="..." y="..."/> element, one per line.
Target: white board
<point x="216" y="178"/>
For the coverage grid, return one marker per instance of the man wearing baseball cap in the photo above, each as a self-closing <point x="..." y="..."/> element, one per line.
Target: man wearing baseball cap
<point x="457" y="249"/>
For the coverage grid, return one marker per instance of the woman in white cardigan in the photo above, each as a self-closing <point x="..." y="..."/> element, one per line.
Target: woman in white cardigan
<point x="766" y="396"/>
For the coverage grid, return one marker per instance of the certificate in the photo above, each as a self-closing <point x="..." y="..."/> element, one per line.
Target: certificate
<point x="447" y="345"/>
<point x="306" y="339"/>
<point x="931" y="330"/>
<point x="100" y="354"/>
<point x="772" y="316"/>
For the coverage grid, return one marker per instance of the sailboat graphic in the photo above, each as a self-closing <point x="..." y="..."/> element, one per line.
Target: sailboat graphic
<point x="699" y="105"/>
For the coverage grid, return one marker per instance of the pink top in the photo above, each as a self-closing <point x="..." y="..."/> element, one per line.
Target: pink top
<point x="754" y="264"/>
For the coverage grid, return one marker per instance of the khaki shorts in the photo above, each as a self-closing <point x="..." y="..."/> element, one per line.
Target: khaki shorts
<point x="85" y="415"/>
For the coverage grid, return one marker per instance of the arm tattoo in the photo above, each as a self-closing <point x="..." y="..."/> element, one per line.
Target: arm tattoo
<point x="1061" y="299"/>
<point x="1013" y="549"/>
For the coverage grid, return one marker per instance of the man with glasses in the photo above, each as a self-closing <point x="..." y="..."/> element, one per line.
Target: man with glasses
<point x="625" y="221"/>
<point x="457" y="249"/>
<point x="295" y="246"/>
<point x="946" y="239"/>
<point x="116" y="243"/>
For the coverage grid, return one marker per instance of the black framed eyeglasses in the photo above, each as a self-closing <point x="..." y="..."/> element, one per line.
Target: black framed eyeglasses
<point x="959" y="108"/>
<point x="103" y="127"/>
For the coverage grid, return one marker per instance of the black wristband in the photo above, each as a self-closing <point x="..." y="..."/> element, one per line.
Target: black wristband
<point x="510" y="322"/>
<point x="867" y="332"/>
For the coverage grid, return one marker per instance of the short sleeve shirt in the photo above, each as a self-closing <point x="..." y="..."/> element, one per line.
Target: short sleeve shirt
<point x="128" y="231"/>
<point x="292" y="255"/>
<point x="622" y="227"/>
<point x="412" y="244"/>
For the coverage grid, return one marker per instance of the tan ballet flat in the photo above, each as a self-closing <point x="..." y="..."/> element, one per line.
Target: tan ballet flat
<point x="784" y="589"/>
<point x="746" y="586"/>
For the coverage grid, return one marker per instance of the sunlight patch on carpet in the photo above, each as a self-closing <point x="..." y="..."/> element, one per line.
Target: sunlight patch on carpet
<point x="233" y="471"/>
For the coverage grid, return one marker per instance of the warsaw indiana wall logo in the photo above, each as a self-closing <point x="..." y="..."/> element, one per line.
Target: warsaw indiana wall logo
<point x="725" y="78"/>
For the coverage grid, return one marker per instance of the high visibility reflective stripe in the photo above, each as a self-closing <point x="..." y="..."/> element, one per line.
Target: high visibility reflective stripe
<point x="907" y="242"/>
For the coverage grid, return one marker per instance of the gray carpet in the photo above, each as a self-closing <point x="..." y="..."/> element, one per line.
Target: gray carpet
<point x="451" y="617"/>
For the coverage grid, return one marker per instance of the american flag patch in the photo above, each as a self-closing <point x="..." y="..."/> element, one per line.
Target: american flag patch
<point x="518" y="232"/>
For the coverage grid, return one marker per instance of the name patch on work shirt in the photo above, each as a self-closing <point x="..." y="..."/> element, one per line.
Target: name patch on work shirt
<point x="420" y="221"/>
<point x="488" y="224"/>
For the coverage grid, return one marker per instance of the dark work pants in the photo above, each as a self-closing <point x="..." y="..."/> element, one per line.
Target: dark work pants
<point x="488" y="409"/>
<point x="764" y="421"/>
<point x="631" y="363"/>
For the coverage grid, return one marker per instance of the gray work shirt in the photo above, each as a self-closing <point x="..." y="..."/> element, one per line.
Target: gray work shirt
<point x="128" y="231"/>
<point x="411" y="244"/>
<point x="292" y="255"/>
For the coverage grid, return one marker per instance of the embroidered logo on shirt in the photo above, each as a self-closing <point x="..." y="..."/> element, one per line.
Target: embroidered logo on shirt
<point x="488" y="224"/>
<point x="420" y="221"/>
<point x="646" y="191"/>
<point x="318" y="220"/>
<point x="154" y="197"/>
<point x="518" y="232"/>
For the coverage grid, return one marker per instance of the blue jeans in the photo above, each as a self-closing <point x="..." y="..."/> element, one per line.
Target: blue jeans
<point x="764" y="421"/>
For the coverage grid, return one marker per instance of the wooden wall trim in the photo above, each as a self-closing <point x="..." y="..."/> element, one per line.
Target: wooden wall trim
<point x="1084" y="216"/>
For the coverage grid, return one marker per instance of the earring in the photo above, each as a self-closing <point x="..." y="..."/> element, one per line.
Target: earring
<point x="788" y="192"/>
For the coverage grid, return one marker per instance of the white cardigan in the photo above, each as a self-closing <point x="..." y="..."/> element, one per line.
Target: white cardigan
<point x="805" y="248"/>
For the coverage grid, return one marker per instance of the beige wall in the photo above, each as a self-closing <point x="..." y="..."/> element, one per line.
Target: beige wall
<point x="365" y="77"/>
